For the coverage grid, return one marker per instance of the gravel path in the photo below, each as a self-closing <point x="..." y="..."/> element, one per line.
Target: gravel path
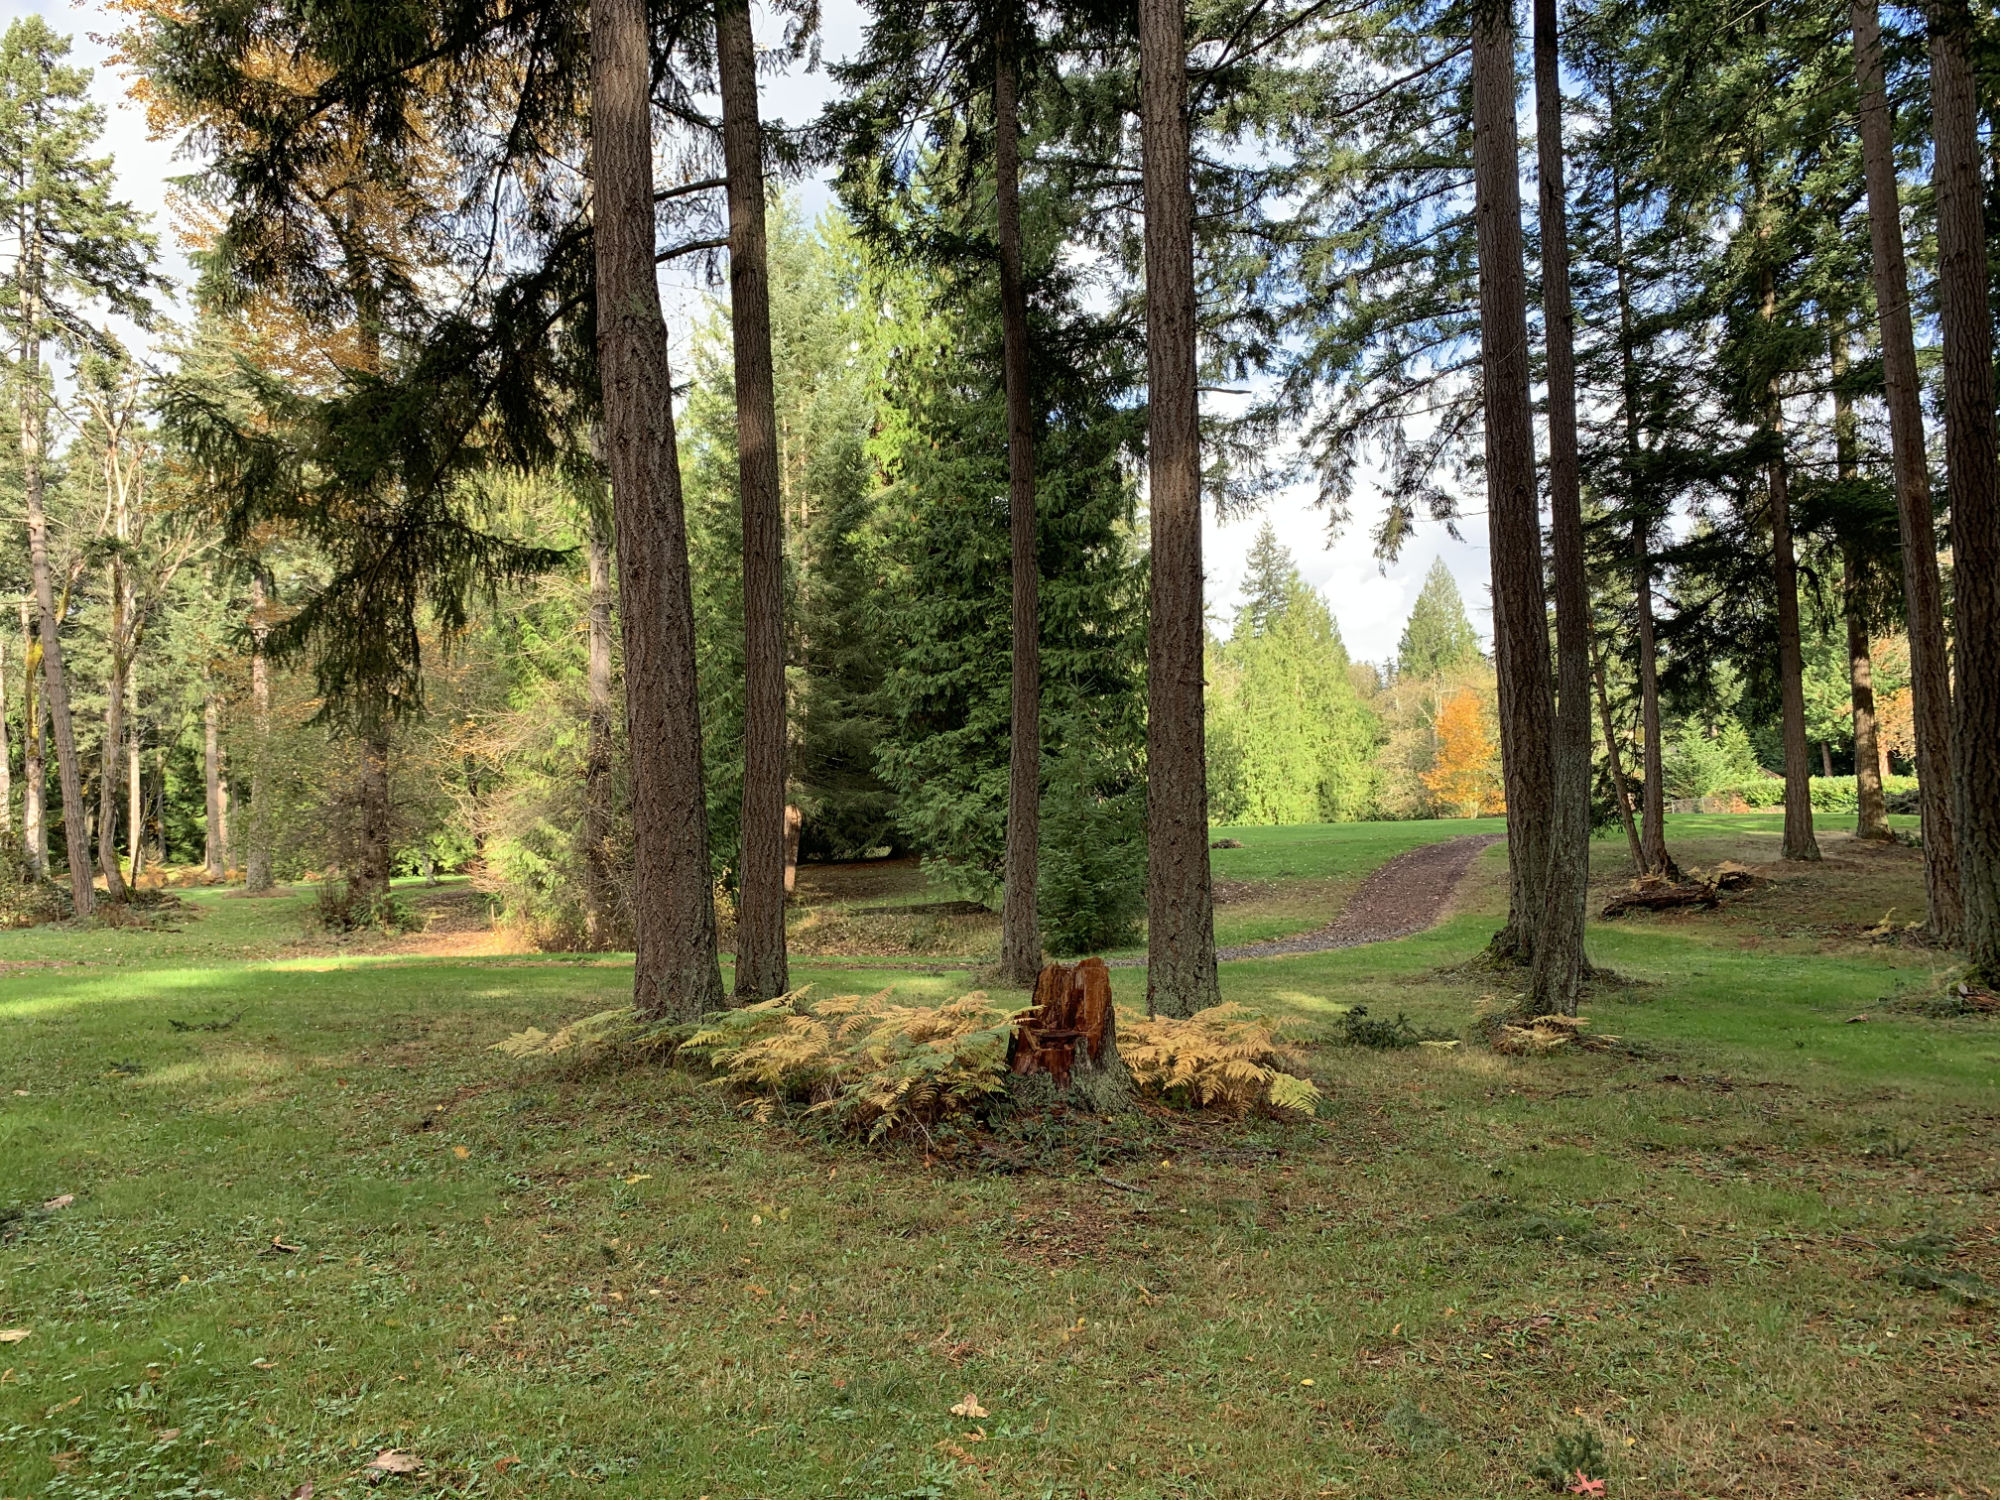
<point x="1405" y="896"/>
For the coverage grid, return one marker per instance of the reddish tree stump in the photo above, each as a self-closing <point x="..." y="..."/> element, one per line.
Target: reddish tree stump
<point x="1072" y="1026"/>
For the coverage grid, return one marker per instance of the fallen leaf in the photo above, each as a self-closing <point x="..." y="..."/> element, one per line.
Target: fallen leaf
<point x="394" y="1461"/>
<point x="461" y="1152"/>
<point x="166" y="1434"/>
<point x="637" y="1177"/>
<point x="1585" y="1485"/>
<point x="502" y="1465"/>
<point x="1852" y="1020"/>
<point x="14" y="1335"/>
<point x="1307" y="1381"/>
<point x="969" y="1407"/>
<point x="62" y="1200"/>
<point x="20" y="1093"/>
<point x="759" y="1291"/>
<point x="303" y="1492"/>
<point x="262" y="1364"/>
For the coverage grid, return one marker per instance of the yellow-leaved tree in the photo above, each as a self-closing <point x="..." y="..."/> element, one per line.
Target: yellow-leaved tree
<point x="1464" y="774"/>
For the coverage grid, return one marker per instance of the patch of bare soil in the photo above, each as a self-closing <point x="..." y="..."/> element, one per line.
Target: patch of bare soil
<point x="859" y="880"/>
<point x="457" y="923"/>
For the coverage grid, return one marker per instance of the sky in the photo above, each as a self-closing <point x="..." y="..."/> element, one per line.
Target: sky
<point x="1369" y="601"/>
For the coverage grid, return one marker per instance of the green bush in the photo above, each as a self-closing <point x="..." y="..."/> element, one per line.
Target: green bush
<point x="1830" y="794"/>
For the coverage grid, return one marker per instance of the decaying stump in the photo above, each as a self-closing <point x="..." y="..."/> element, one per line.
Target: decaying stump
<point x="1070" y="1036"/>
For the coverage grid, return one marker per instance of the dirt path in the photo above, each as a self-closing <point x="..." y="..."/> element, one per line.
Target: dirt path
<point x="1405" y="896"/>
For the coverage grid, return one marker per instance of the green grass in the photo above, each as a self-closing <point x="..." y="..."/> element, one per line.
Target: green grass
<point x="1740" y="1253"/>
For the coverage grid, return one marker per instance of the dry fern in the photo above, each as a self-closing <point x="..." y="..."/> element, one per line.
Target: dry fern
<point x="584" y="1040"/>
<point x="870" y="1066"/>
<point x="1222" y="1058"/>
<point x="1546" y="1034"/>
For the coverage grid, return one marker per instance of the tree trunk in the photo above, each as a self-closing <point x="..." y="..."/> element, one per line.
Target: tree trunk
<point x="1559" y="962"/>
<point x="374" y="811"/>
<point x="760" y="875"/>
<point x="597" y="757"/>
<point x="135" y="794"/>
<point x="1020" y="932"/>
<point x="1799" y="842"/>
<point x="1520" y="609"/>
<point x="1972" y="458"/>
<point x="1619" y="785"/>
<point x="1180" y="913"/>
<point x="215" y="837"/>
<point x="121" y="632"/>
<point x="69" y="767"/>
<point x="6" y="755"/>
<point x="1872" y="814"/>
<point x="675" y="976"/>
<point x="1923" y="596"/>
<point x="34" y="770"/>
<point x="257" y="860"/>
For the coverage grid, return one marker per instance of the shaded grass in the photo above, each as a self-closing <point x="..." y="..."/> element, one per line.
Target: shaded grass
<point x="617" y="1280"/>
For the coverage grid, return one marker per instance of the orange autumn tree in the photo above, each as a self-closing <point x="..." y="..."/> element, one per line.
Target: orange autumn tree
<point x="1461" y="778"/>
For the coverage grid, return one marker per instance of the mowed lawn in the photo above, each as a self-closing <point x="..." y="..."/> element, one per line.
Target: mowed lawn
<point x="1752" y="1252"/>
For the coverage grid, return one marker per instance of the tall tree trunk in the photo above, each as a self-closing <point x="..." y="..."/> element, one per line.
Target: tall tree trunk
<point x="69" y="766"/>
<point x="1620" y="787"/>
<point x="676" y="976"/>
<point x="1020" y="932"/>
<point x="6" y="755"/>
<point x="1923" y="596"/>
<point x="122" y="631"/>
<point x="375" y="812"/>
<point x="1180" y="912"/>
<point x="34" y="769"/>
<point x="1520" y="609"/>
<point x="215" y="841"/>
<point x="598" y="749"/>
<point x="1972" y="458"/>
<point x="257" y="859"/>
<point x="135" y="792"/>
<point x="1557" y="976"/>
<point x="1799" y="842"/>
<point x="1871" y="812"/>
<point x="760" y="876"/>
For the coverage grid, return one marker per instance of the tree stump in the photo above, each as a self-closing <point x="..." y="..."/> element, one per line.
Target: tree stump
<point x="1070" y="1036"/>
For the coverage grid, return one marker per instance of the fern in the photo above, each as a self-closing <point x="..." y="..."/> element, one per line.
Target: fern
<point x="1220" y="1058"/>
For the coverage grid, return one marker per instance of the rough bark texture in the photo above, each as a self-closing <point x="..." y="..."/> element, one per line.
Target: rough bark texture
<point x="760" y="873"/>
<point x="1180" y="913"/>
<point x="598" y="896"/>
<point x="257" y="858"/>
<point x="675" y="974"/>
<point x="135" y="799"/>
<point x="1923" y="597"/>
<point x="1619" y="785"/>
<point x="215" y="837"/>
<point x="1972" y="458"/>
<point x="1020" y="931"/>
<point x="1799" y="842"/>
<point x="6" y="755"/>
<point x="1871" y="812"/>
<point x="34" y="768"/>
<point x="55" y="682"/>
<point x="1520" y="610"/>
<point x="1070" y="1036"/>
<point x="1559" y="963"/>
<point x="117" y="680"/>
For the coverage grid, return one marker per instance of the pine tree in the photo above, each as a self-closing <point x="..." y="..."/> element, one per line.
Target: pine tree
<point x="1269" y="577"/>
<point x="1437" y="636"/>
<point x="75" y="246"/>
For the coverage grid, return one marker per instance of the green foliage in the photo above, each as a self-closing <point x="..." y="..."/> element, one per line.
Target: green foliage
<point x="1091" y="887"/>
<point x="1830" y="794"/>
<point x="341" y="908"/>
<point x="1359" y="1029"/>
<point x="1437" y="637"/>
<point x="871" y="1067"/>
<point x="1577" y="1456"/>
<point x="1700" y="765"/>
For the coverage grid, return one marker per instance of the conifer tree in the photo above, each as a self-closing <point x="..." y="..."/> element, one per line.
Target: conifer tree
<point x="1437" y="636"/>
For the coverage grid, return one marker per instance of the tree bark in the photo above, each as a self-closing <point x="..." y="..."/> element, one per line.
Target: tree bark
<point x="122" y="632"/>
<point x="1619" y="785"/>
<point x="1871" y="812"/>
<point x="1799" y="841"/>
<point x="1972" y="459"/>
<point x="761" y="971"/>
<point x="6" y="755"/>
<point x="69" y="766"/>
<point x="215" y="836"/>
<point x="1923" y="595"/>
<point x="1020" y="932"/>
<point x="375" y="810"/>
<point x="257" y="859"/>
<point x="1557" y="976"/>
<point x="1520" y="609"/>
<point x="597" y="757"/>
<point x="135" y="794"/>
<point x="1180" y="914"/>
<point x="34" y="768"/>
<point x="676" y="976"/>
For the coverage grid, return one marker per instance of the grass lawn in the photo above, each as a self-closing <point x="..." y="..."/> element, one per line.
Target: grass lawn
<point x="1753" y="1255"/>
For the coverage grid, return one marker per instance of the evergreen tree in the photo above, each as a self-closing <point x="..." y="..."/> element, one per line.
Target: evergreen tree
<point x="1437" y="637"/>
<point x="1269" y="579"/>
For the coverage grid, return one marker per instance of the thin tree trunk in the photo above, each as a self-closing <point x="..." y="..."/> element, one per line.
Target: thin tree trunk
<point x="1180" y="913"/>
<point x="69" y="766"/>
<point x="1559" y="963"/>
<point x="215" y="839"/>
<point x="1799" y="842"/>
<point x="135" y="794"/>
<point x="257" y="860"/>
<point x="6" y="755"/>
<point x="761" y="971"/>
<point x="1020" y="933"/>
<point x="1972" y="458"/>
<point x="675" y="976"/>
<point x="1923" y="596"/>
<point x="34" y="769"/>
<point x="1520" y="609"/>
<point x="1872" y="813"/>
<point x="1619" y="785"/>
<point x="598" y="749"/>
<point x="122" y="630"/>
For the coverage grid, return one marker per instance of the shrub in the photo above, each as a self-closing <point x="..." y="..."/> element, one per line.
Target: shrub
<point x="29" y="903"/>
<point x="342" y="908"/>
<point x="871" y="1067"/>
<point x="1830" y="794"/>
<point x="1222" y="1058"/>
<point x="1091" y="888"/>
